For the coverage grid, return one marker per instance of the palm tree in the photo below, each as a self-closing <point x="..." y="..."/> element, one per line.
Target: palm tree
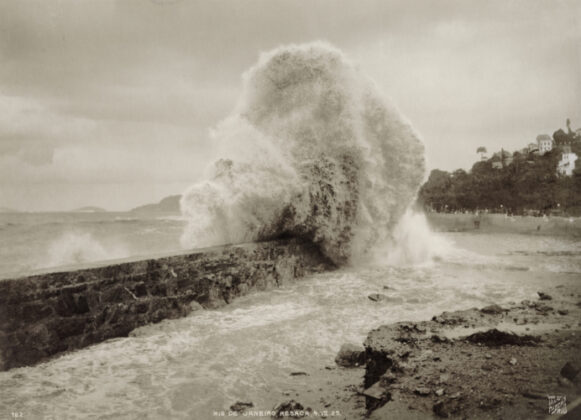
<point x="482" y="151"/>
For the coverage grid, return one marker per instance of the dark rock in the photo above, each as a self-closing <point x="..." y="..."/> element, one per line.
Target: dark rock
<point x="376" y="396"/>
<point x="492" y="310"/>
<point x="240" y="406"/>
<point x="387" y="379"/>
<point x="570" y="370"/>
<point x="563" y="312"/>
<point x="377" y="364"/>
<point x="377" y="297"/>
<point x="350" y="355"/>
<point x="544" y="309"/>
<point x="140" y="289"/>
<point x="439" y="339"/>
<point x="299" y="374"/>
<point x="495" y="338"/>
<point x="290" y="409"/>
<point x="544" y="296"/>
<point x="446" y="408"/>
<point x="422" y="391"/>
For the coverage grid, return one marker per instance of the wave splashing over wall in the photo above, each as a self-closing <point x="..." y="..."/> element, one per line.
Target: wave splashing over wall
<point x="312" y="150"/>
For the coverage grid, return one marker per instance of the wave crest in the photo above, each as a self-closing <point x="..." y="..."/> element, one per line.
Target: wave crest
<point x="312" y="150"/>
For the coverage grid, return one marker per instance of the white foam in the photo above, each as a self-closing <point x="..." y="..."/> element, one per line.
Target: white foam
<point x="311" y="149"/>
<point x="79" y="247"/>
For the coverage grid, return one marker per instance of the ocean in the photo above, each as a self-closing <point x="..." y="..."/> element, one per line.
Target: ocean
<point x="199" y="365"/>
<point x="312" y="149"/>
<point x="36" y="241"/>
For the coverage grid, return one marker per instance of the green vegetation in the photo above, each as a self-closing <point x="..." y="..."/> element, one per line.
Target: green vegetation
<point x="517" y="183"/>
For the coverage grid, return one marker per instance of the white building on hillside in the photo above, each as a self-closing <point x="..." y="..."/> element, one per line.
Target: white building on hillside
<point x="545" y="143"/>
<point x="567" y="163"/>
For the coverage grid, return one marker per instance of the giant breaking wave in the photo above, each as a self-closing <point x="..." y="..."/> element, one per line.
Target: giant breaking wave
<point x="312" y="150"/>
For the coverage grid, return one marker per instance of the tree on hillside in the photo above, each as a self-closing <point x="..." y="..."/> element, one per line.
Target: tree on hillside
<point x="561" y="137"/>
<point x="436" y="191"/>
<point x="482" y="151"/>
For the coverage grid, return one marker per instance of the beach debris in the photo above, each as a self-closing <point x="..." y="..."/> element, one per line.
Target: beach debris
<point x="299" y="374"/>
<point x="570" y="370"/>
<point x="512" y="361"/>
<point x="292" y="409"/>
<point x="377" y="297"/>
<point x="563" y="312"/>
<point x="439" y="392"/>
<point x="350" y="355"/>
<point x="492" y="310"/>
<point x="496" y="338"/>
<point x="240" y="406"/>
<point x="544" y="296"/>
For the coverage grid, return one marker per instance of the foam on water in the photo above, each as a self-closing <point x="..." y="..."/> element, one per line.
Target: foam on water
<point x="412" y="243"/>
<point x="245" y="351"/>
<point x="79" y="247"/>
<point x="311" y="150"/>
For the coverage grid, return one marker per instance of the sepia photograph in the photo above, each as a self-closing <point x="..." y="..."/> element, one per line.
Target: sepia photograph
<point x="281" y="209"/>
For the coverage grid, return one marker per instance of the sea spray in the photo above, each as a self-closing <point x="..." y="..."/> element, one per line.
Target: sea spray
<point x="312" y="150"/>
<point x="412" y="243"/>
<point x="79" y="247"/>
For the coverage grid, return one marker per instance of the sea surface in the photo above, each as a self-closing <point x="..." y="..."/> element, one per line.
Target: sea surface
<point x="33" y="241"/>
<point x="192" y="367"/>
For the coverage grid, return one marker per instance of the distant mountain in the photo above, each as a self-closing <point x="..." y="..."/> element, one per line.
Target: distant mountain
<point x="8" y="210"/>
<point x="169" y="204"/>
<point x="89" y="209"/>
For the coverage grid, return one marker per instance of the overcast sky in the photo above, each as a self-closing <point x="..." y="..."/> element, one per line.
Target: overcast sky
<point x="109" y="103"/>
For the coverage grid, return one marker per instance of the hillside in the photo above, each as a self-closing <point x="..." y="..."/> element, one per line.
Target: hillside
<point x="89" y="209"/>
<point x="523" y="182"/>
<point x="169" y="204"/>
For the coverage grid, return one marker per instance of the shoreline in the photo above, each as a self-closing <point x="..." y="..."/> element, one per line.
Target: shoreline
<point x="480" y="363"/>
<point x="502" y="223"/>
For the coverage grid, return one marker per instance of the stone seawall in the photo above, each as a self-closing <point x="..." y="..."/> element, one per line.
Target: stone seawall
<point x="500" y="223"/>
<point x="46" y="314"/>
